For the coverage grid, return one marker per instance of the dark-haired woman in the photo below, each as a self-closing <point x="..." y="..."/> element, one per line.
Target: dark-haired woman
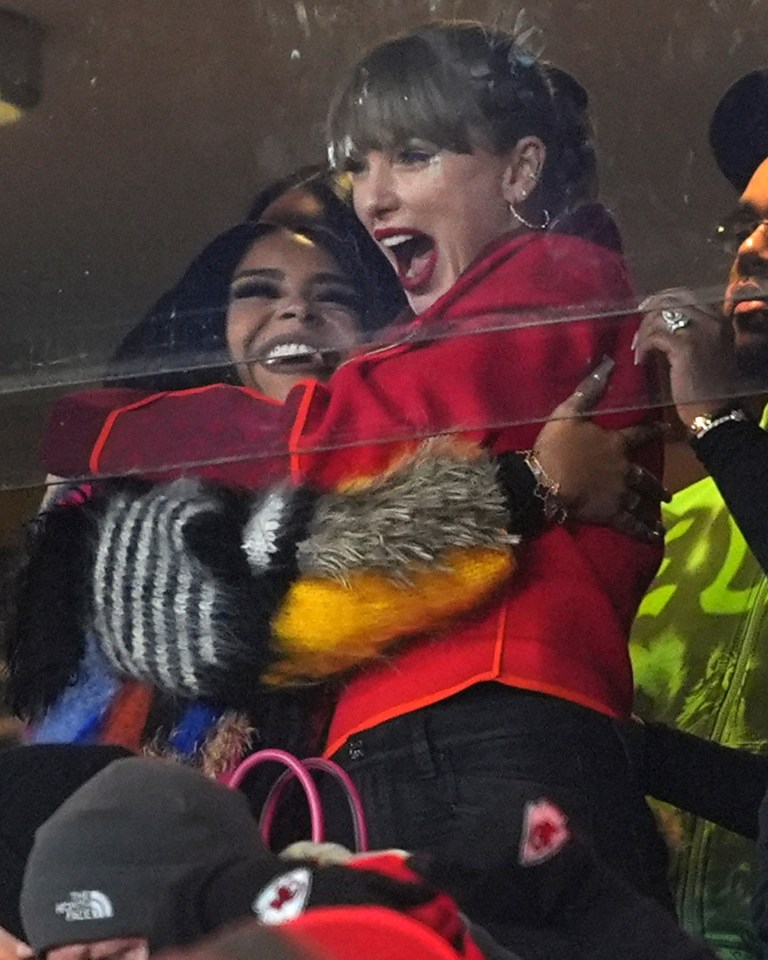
<point x="465" y="157"/>
<point x="175" y="346"/>
<point x="289" y="304"/>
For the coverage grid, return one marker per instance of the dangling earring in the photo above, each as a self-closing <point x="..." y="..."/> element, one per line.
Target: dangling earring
<point x="527" y="223"/>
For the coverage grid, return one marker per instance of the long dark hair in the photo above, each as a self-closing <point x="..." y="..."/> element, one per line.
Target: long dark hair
<point x="181" y="341"/>
<point x="461" y="85"/>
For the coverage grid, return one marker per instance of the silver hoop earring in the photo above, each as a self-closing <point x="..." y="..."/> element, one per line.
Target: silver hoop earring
<point x="527" y="223"/>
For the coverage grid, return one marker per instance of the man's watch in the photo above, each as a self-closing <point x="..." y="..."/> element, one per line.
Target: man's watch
<point x="701" y="425"/>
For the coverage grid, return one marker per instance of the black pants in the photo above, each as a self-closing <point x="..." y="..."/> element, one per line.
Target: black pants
<point x="425" y="776"/>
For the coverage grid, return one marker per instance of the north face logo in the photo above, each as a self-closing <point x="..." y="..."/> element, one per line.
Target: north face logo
<point x="86" y="905"/>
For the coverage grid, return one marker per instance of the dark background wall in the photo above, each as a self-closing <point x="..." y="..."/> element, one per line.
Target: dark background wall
<point x="161" y="118"/>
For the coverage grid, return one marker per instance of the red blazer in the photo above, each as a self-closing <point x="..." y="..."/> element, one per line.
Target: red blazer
<point x="479" y="364"/>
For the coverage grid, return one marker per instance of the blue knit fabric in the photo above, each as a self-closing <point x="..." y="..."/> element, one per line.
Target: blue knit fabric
<point x="193" y="728"/>
<point x="77" y="716"/>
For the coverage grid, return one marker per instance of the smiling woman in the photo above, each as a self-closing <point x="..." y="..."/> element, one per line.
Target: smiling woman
<point x="181" y="341"/>
<point x="266" y="306"/>
<point x="252" y="287"/>
<point x="294" y="311"/>
<point x="466" y="159"/>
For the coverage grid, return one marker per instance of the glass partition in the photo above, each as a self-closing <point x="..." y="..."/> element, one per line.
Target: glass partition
<point x="158" y="125"/>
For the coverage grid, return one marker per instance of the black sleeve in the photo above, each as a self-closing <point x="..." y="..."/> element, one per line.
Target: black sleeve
<point x="736" y="455"/>
<point x="526" y="510"/>
<point x="720" y="784"/>
<point x="46" y="608"/>
<point x="759" y="910"/>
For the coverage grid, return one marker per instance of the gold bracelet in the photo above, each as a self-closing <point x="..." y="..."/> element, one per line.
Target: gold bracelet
<point x="701" y="425"/>
<point x="546" y="490"/>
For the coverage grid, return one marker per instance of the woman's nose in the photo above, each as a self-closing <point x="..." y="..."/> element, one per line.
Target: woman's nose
<point x="298" y="309"/>
<point x="374" y="193"/>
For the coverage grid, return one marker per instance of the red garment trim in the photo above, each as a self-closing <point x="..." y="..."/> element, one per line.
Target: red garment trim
<point x="297" y="428"/>
<point x="109" y="423"/>
<point x="520" y="683"/>
<point x="498" y="653"/>
<point x="402" y="708"/>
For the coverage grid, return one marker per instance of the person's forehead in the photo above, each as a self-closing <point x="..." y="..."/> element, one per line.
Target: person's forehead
<point x="286" y="247"/>
<point x="97" y="948"/>
<point x="756" y="193"/>
<point x="299" y="202"/>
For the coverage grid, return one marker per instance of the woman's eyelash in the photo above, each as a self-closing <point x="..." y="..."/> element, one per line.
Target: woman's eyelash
<point x="413" y="156"/>
<point x="263" y="289"/>
<point x="247" y="289"/>
<point x="416" y="154"/>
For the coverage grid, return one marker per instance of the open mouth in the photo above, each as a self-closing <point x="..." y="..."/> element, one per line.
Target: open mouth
<point x="414" y="254"/>
<point x="293" y="356"/>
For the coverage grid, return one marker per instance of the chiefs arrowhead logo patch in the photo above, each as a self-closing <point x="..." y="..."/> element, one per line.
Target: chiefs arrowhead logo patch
<point x="545" y="832"/>
<point x="284" y="898"/>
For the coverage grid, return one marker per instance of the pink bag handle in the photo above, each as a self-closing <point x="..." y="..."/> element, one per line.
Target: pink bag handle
<point x="300" y="770"/>
<point x="350" y="794"/>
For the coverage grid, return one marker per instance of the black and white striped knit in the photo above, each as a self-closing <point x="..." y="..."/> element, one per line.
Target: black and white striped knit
<point x="175" y="600"/>
<point x="182" y="583"/>
<point x="187" y="577"/>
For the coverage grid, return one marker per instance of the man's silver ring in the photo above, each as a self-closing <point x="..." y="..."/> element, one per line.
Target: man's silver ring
<point x="675" y="320"/>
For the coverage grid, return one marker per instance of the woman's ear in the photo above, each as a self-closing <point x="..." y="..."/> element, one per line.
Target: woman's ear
<point x="523" y="173"/>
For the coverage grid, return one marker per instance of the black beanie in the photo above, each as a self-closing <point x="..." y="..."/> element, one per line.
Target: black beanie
<point x="128" y="854"/>
<point x="738" y="133"/>
<point x="34" y="782"/>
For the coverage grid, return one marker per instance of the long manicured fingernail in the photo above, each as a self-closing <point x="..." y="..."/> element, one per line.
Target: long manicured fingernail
<point x="633" y="345"/>
<point x="603" y="368"/>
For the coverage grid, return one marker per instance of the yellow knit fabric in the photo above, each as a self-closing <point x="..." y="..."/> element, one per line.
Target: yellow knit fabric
<point x="325" y="626"/>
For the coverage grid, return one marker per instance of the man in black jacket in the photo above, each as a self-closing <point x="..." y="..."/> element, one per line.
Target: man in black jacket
<point x="701" y="641"/>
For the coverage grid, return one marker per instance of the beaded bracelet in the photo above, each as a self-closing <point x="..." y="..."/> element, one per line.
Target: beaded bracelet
<point x="546" y="490"/>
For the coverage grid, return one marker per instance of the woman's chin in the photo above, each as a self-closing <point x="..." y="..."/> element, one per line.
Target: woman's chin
<point x="276" y="381"/>
<point x="421" y="300"/>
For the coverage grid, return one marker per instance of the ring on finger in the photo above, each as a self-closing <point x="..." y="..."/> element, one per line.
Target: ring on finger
<point x="675" y="320"/>
<point x="635" y="475"/>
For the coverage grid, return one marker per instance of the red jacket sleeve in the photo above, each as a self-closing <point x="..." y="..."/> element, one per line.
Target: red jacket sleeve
<point x="492" y="362"/>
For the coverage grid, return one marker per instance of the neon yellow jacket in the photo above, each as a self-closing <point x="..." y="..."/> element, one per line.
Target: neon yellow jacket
<point x="700" y="653"/>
